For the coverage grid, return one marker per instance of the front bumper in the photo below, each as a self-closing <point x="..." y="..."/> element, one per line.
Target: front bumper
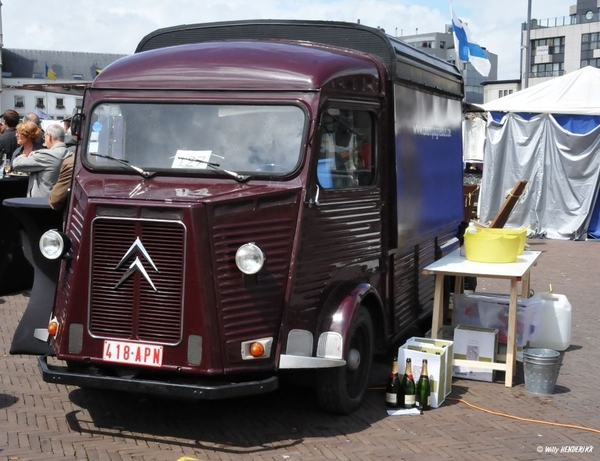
<point x="184" y="388"/>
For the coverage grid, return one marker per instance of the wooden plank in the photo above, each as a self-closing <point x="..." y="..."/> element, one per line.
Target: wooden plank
<point x="509" y="204"/>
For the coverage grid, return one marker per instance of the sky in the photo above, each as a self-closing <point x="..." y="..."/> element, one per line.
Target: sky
<point x="117" y="26"/>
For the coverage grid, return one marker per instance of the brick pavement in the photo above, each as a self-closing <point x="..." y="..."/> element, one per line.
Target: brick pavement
<point x="40" y="421"/>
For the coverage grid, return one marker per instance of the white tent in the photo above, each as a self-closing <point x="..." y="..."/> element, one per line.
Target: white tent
<point x="574" y="93"/>
<point x="548" y="134"/>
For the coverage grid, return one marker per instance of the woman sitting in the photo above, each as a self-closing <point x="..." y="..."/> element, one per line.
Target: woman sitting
<point x="27" y="135"/>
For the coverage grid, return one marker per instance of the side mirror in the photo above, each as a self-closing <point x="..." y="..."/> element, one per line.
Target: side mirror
<point x="76" y="123"/>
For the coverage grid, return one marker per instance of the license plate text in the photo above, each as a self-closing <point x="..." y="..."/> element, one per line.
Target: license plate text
<point x="133" y="353"/>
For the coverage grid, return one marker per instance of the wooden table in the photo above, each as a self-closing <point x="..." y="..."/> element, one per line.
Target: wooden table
<point x="457" y="265"/>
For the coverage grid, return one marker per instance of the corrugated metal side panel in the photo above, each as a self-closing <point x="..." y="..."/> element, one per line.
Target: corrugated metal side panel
<point x="250" y="307"/>
<point x="405" y="292"/>
<point x="339" y="240"/>
<point x="426" y="282"/>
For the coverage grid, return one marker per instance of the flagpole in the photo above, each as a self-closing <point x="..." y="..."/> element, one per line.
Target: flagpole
<point x="527" y="46"/>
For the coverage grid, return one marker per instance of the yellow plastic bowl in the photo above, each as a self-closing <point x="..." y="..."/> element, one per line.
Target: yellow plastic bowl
<point x="520" y="233"/>
<point x="488" y="247"/>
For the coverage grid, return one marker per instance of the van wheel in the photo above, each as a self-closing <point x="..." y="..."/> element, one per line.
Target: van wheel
<point x="341" y="390"/>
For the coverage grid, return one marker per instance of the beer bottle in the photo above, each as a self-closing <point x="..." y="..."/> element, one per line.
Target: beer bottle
<point x="424" y="388"/>
<point x="393" y="386"/>
<point x="408" y="387"/>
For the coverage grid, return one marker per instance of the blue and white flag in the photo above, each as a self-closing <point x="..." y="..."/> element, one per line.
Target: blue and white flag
<point x="42" y="115"/>
<point x="466" y="49"/>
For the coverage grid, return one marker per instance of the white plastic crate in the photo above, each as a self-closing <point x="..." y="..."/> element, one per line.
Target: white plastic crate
<point x="491" y="311"/>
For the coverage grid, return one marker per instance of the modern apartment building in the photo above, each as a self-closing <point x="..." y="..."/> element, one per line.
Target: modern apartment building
<point x="561" y="45"/>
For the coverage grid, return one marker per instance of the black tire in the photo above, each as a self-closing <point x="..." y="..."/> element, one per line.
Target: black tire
<point x="341" y="390"/>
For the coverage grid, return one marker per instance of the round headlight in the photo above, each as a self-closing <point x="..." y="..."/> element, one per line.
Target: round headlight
<point x="249" y="258"/>
<point x="52" y="244"/>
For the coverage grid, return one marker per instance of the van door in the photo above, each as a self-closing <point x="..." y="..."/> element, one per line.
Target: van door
<point x="337" y="277"/>
<point x="341" y="231"/>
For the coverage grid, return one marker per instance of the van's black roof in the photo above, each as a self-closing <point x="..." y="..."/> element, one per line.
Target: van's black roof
<point x="403" y="61"/>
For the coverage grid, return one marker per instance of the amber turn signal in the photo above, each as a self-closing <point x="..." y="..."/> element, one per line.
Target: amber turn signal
<point x="257" y="349"/>
<point x="53" y="327"/>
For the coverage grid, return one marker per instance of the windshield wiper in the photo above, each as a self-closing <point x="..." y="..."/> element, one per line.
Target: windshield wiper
<point x="144" y="173"/>
<point x="217" y="166"/>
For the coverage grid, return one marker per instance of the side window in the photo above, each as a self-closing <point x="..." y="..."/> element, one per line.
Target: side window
<point x="346" y="155"/>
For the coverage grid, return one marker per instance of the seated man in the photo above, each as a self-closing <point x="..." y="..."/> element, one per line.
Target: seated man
<point x="60" y="192"/>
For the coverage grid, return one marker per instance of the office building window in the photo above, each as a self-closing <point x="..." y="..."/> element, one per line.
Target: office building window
<point x="550" y="69"/>
<point x="591" y="62"/>
<point x="19" y="101"/>
<point x="545" y="46"/>
<point x="590" y="41"/>
<point x="60" y="103"/>
<point x="554" y="47"/>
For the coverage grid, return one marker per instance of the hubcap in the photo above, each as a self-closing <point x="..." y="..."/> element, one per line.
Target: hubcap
<point x="353" y="361"/>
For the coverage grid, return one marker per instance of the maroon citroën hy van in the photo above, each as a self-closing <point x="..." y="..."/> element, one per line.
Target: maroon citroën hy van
<point x="250" y="197"/>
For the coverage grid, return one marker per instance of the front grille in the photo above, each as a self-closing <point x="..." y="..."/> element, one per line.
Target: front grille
<point x="132" y="309"/>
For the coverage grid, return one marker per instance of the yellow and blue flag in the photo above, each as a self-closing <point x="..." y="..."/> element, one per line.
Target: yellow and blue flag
<point x="49" y="72"/>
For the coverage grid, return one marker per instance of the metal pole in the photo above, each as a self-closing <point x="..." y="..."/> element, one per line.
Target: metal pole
<point x="527" y="47"/>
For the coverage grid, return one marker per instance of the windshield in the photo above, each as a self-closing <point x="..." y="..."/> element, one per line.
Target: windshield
<point x="196" y="138"/>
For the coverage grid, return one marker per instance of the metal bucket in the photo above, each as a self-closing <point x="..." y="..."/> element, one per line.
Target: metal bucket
<point x="540" y="368"/>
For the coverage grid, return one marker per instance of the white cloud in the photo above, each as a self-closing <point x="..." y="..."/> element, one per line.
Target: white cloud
<point x="116" y="26"/>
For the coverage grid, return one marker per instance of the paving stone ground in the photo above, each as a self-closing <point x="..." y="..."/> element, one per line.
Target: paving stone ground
<point x="479" y="420"/>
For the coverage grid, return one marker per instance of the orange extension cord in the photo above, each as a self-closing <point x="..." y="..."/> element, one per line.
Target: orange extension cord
<point x="518" y="418"/>
<point x="572" y="426"/>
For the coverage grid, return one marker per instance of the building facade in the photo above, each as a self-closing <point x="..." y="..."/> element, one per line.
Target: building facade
<point x="561" y="45"/>
<point x="48" y="83"/>
<point x="499" y="88"/>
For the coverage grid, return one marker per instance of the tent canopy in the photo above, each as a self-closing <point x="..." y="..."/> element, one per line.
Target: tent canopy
<point x="548" y="134"/>
<point x="575" y="93"/>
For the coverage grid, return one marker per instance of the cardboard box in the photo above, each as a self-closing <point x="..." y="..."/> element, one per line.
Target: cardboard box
<point x="437" y="372"/>
<point x="447" y="355"/>
<point x="475" y="343"/>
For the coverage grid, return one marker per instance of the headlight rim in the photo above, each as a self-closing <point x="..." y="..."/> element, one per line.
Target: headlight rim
<point x="253" y="250"/>
<point x="62" y="245"/>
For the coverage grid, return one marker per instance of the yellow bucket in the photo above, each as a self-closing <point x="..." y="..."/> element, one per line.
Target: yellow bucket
<point x="488" y="247"/>
<point x="520" y="233"/>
